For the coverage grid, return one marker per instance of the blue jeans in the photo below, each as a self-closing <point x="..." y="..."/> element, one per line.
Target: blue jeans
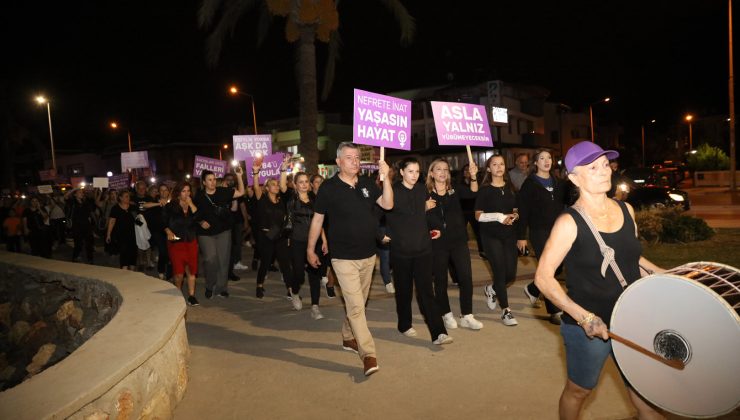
<point x="584" y="357"/>
<point x="384" y="254"/>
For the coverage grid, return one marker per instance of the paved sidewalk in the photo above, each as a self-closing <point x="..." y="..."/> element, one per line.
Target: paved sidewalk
<point x="259" y="359"/>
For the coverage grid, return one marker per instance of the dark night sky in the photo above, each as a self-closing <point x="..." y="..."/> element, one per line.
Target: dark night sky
<point x="143" y="61"/>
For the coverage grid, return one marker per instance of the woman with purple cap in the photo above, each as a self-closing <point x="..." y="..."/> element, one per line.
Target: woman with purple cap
<point x="593" y="286"/>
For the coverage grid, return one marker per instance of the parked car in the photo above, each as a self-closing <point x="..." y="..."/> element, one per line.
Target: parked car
<point x="647" y="188"/>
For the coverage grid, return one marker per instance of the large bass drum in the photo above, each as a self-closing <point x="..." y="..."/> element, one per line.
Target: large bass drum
<point x="691" y="313"/>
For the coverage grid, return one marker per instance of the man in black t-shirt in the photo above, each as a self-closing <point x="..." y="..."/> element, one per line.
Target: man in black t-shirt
<point x="346" y="201"/>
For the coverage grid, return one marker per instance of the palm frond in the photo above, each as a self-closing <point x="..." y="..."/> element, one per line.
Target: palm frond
<point x="335" y="44"/>
<point x="233" y="11"/>
<point x="406" y="22"/>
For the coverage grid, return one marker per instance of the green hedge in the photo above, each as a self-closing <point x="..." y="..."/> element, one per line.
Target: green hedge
<point x="671" y="225"/>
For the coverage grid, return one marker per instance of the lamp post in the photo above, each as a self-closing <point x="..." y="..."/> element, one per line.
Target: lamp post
<point x="731" y="88"/>
<point x="591" y="114"/>
<point x="642" y="128"/>
<point x="689" y="118"/>
<point x="114" y="125"/>
<point x="42" y="100"/>
<point x="235" y="91"/>
<point x="220" y="150"/>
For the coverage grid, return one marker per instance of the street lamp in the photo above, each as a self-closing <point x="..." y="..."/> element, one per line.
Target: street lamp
<point x="114" y="125"/>
<point x="642" y="128"/>
<point x="591" y="114"/>
<point x="220" y="150"/>
<point x="233" y="90"/>
<point x="42" y="100"/>
<point x="689" y="118"/>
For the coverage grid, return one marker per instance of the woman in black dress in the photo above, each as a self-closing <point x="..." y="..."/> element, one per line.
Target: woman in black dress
<point x="121" y="230"/>
<point x="36" y="222"/>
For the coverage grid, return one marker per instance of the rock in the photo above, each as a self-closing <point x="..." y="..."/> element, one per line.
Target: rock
<point x="41" y="358"/>
<point x="71" y="312"/>
<point x="5" y="310"/>
<point x="64" y="310"/>
<point x="19" y="330"/>
<point x="40" y="334"/>
<point x="97" y="415"/>
<point x="124" y="405"/>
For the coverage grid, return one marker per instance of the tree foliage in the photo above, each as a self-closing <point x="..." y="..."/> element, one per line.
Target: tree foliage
<point x="709" y="158"/>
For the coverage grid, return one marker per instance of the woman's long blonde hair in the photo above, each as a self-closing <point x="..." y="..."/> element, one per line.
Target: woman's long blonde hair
<point x="430" y="180"/>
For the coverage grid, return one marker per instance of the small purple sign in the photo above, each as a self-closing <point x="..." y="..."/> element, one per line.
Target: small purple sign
<point x="381" y="120"/>
<point x="270" y="168"/>
<point x="246" y="147"/>
<point x="118" y="182"/>
<point x="460" y="124"/>
<point x="202" y="163"/>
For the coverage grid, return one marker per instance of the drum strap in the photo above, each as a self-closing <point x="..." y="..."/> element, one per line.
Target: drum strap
<point x="606" y="251"/>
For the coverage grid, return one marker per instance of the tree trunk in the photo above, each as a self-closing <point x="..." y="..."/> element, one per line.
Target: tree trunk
<point x="308" y="146"/>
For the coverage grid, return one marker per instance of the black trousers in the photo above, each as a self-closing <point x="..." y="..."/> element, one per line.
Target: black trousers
<point x="301" y="268"/>
<point x="538" y="238"/>
<point x="13" y="243"/>
<point x="159" y="240"/>
<point x="410" y="272"/>
<point x="501" y="254"/>
<point x="278" y="249"/>
<point x="457" y="258"/>
<point x="83" y="237"/>
<point x="470" y="218"/>
<point x="40" y="242"/>
<point x="236" y="245"/>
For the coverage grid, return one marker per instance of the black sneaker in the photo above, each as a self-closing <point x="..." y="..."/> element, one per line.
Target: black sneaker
<point x="224" y="294"/>
<point x="260" y="292"/>
<point x="209" y="293"/>
<point x="192" y="301"/>
<point x="234" y="277"/>
<point x="330" y="292"/>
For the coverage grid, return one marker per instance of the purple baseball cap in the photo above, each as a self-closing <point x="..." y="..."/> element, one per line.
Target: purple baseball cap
<point x="586" y="152"/>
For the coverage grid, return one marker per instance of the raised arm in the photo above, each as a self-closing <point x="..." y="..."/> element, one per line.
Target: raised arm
<point x="240" y="190"/>
<point x="256" y="179"/>
<point x="385" y="201"/>
<point x="284" y="175"/>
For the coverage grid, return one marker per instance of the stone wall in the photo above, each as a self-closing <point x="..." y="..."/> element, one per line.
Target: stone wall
<point x="135" y="366"/>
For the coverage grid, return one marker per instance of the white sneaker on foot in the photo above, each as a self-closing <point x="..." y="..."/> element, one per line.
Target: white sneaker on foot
<point x="240" y="266"/>
<point x="490" y="297"/>
<point x="295" y="299"/>
<point x="534" y="300"/>
<point x="324" y="281"/>
<point x="390" y="288"/>
<point x="443" y="339"/>
<point x="449" y="321"/>
<point x="315" y="312"/>
<point x="411" y="332"/>
<point x="469" y="321"/>
<point x="508" y="318"/>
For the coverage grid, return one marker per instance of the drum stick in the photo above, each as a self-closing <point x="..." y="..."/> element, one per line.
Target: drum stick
<point x="676" y="364"/>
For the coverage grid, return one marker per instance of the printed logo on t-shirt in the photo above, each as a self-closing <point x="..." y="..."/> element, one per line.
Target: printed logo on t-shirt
<point x="365" y="193"/>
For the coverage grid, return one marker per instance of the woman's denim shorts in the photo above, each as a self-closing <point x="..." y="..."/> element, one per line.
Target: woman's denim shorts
<point x="584" y="356"/>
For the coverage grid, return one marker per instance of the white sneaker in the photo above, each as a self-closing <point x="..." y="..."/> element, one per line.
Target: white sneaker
<point x="315" y="312"/>
<point x="490" y="297"/>
<point x="390" y="288"/>
<point x="449" y="320"/>
<point x="296" y="301"/>
<point x="508" y="318"/>
<point x="534" y="300"/>
<point x="240" y="266"/>
<point x="443" y="339"/>
<point x="324" y="281"/>
<point x="411" y="332"/>
<point x="469" y="321"/>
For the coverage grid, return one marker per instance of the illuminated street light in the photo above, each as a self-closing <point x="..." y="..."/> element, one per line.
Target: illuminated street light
<point x="591" y="114"/>
<point x="689" y="118"/>
<point x="233" y="90"/>
<point x="109" y="174"/>
<point x="42" y="100"/>
<point x="114" y="125"/>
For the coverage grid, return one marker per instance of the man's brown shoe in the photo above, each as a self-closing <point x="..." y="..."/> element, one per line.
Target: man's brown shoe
<point x="350" y="345"/>
<point x="371" y="365"/>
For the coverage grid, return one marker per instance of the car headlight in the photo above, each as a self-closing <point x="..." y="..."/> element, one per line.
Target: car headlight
<point x="624" y="187"/>
<point x="676" y="197"/>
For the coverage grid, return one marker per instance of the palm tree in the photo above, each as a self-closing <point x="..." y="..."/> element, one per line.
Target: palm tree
<point x="305" y="21"/>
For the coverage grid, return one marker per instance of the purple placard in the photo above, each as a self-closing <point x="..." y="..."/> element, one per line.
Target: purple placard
<point x="382" y="121"/>
<point x="460" y="124"/>
<point x="270" y="168"/>
<point x="218" y="167"/>
<point x="246" y="147"/>
<point x="118" y="182"/>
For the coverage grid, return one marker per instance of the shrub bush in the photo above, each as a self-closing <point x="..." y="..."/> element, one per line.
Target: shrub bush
<point x="671" y="225"/>
<point x="708" y="158"/>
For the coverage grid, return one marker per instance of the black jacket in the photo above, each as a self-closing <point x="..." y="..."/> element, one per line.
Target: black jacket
<point x="538" y="207"/>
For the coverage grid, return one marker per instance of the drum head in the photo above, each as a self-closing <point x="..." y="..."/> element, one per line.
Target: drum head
<point x="675" y="316"/>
